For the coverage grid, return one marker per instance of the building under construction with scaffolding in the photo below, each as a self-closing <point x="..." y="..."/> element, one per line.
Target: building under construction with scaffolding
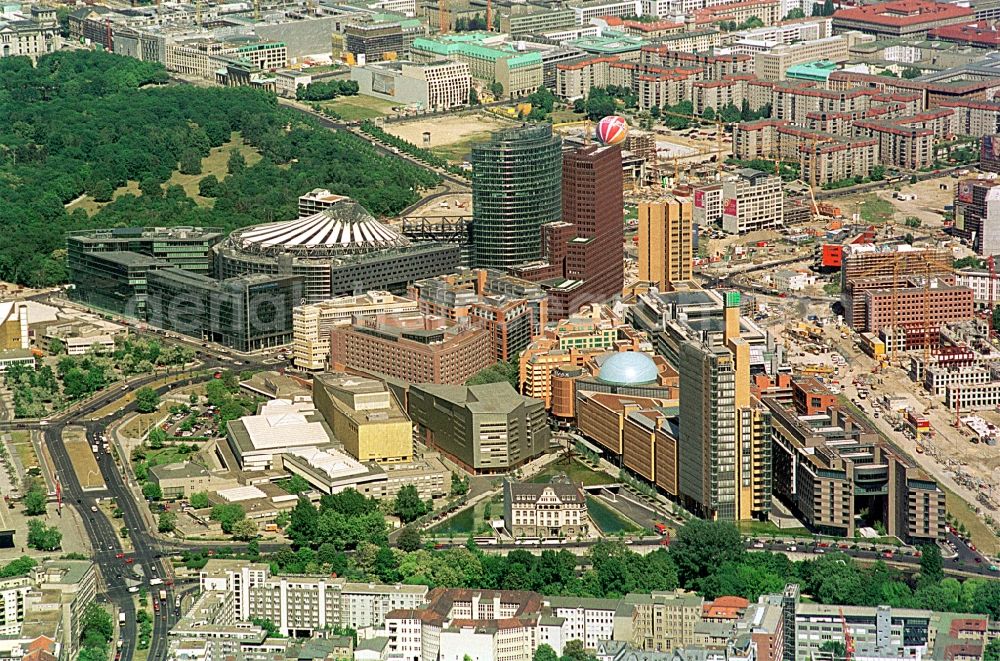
<point x="886" y="278"/>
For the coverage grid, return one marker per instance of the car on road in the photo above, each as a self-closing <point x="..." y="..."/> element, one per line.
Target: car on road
<point x="93" y="508"/>
<point x="119" y="555"/>
<point x="792" y="548"/>
<point x="129" y="561"/>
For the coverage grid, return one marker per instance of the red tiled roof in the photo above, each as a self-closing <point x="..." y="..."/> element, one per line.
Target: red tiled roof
<point x="903" y="13"/>
<point x="979" y="32"/>
<point x="960" y="624"/>
<point x="587" y="63"/>
<point x="653" y="27"/>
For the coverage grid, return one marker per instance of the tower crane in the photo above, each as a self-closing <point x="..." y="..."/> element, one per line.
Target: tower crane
<point x="848" y="638"/>
<point x="993" y="284"/>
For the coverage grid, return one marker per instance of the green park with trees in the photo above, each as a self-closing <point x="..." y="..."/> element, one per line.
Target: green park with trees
<point x="347" y="535"/>
<point x="88" y="122"/>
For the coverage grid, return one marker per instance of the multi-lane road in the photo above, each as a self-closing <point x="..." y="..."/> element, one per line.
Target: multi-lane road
<point x="118" y="568"/>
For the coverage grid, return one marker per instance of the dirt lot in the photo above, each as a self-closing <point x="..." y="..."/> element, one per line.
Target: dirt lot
<point x="84" y="463"/>
<point x="457" y="204"/>
<point x="927" y="206"/>
<point x="452" y="137"/>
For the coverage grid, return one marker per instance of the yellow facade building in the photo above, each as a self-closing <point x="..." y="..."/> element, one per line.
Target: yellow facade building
<point x="365" y="417"/>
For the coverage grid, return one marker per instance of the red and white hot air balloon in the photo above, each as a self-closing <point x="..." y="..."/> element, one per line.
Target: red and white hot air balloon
<point x="612" y="130"/>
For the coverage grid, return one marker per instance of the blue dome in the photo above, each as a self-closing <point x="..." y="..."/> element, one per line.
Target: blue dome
<point x="628" y="368"/>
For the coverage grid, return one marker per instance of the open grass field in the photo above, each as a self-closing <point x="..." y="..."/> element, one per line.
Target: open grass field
<point x="359" y="107"/>
<point x="169" y="455"/>
<point x="91" y="206"/>
<point x="451" y="136"/>
<point x="80" y="455"/>
<point x="215" y="163"/>
<point x="21" y="442"/>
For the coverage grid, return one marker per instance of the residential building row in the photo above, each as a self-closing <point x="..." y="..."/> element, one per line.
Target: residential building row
<point x="413" y="623"/>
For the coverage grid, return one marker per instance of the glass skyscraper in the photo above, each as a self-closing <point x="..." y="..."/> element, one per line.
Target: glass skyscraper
<point x="516" y="188"/>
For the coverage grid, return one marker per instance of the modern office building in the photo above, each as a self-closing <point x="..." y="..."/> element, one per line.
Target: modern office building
<point x="586" y="251"/>
<point x="977" y="210"/>
<point x="989" y="154"/>
<point x="869" y="266"/>
<point x="373" y="42"/>
<point x="831" y="467"/>
<point x="188" y="248"/>
<point x="338" y="251"/>
<point x="109" y="267"/>
<point x="554" y="509"/>
<point x="516" y="188"/>
<point x="246" y="313"/>
<point x="364" y="416"/>
<point x="414" y="347"/>
<point x="752" y="200"/>
<point x="639" y="432"/>
<point x="114" y="281"/>
<point x="724" y="447"/>
<point x="312" y="323"/>
<point x="569" y="344"/>
<point x="666" y="238"/>
<point x="432" y="86"/>
<point x="486" y="429"/>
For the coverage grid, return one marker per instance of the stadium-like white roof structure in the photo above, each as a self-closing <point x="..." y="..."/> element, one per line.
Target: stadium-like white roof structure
<point x="343" y="228"/>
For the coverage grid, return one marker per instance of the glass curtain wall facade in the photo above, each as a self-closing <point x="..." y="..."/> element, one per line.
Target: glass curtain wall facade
<point x="516" y="188"/>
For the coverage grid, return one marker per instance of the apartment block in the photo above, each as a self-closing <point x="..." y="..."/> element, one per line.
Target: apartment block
<point x="413" y="347"/>
<point x="49" y="602"/>
<point x="303" y="605"/>
<point x="311" y="324"/>
<point x="659" y="622"/>
<point x="752" y="200"/>
<point x="900" y="18"/>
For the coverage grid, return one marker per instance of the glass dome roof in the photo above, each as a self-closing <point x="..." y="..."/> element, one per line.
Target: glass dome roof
<point x="628" y="368"/>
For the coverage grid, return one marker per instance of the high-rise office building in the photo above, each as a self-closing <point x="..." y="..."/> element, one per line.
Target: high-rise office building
<point x="724" y="441"/>
<point x="665" y="242"/>
<point x="583" y="254"/>
<point x="516" y="188"/>
<point x="592" y="203"/>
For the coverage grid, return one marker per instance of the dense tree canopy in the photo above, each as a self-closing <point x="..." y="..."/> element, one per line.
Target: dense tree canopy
<point x="83" y="122"/>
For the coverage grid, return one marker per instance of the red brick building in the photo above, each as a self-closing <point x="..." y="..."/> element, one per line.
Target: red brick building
<point x="583" y="258"/>
<point x="414" y="347"/>
<point x="811" y="397"/>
